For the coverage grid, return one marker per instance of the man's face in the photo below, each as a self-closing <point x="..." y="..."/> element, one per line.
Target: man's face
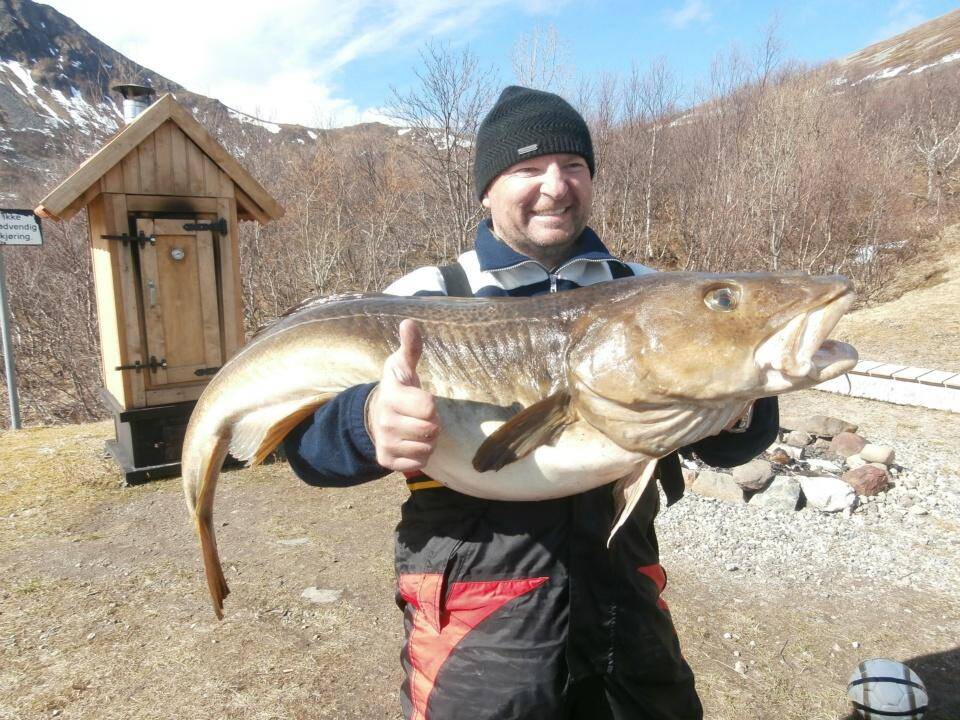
<point x="540" y="206"/>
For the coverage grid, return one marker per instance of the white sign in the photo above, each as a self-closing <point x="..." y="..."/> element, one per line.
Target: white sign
<point x="20" y="227"/>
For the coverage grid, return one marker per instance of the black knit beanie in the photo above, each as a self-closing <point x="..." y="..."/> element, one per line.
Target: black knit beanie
<point x="525" y="123"/>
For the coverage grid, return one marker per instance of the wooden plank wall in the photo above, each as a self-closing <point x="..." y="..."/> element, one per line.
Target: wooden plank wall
<point x="231" y="299"/>
<point x="168" y="163"/>
<point x="117" y="310"/>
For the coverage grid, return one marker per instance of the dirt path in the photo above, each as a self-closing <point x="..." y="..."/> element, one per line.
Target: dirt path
<point x="104" y="614"/>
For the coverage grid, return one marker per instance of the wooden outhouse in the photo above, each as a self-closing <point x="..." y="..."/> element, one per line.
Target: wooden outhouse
<point x="163" y="200"/>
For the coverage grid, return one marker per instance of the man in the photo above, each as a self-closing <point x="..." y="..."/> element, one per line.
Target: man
<point x="518" y="609"/>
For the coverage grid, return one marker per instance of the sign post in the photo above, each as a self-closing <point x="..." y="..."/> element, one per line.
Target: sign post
<point x="17" y="227"/>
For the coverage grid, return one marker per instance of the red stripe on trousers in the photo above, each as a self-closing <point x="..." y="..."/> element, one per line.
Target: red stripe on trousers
<point x="658" y="576"/>
<point x="437" y="629"/>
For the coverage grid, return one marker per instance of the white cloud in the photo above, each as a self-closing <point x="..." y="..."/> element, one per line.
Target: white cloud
<point x="692" y="11"/>
<point x="284" y="60"/>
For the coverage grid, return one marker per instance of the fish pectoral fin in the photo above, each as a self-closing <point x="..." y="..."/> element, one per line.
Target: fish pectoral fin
<point x="627" y="492"/>
<point x="258" y="433"/>
<point x="532" y="427"/>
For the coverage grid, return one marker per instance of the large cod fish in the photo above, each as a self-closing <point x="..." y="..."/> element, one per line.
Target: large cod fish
<point x="537" y="397"/>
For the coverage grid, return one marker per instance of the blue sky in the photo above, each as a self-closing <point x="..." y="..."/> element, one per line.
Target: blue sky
<point x="333" y="62"/>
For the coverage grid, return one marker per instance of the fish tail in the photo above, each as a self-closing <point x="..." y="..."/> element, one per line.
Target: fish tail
<point x="201" y="477"/>
<point x="216" y="581"/>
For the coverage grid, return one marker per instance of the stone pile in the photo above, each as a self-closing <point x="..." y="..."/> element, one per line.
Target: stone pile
<point x="821" y="464"/>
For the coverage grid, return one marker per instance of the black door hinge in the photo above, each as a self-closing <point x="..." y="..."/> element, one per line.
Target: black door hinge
<point x="206" y="371"/>
<point x="138" y="366"/>
<point x="220" y="226"/>
<point x="127" y="239"/>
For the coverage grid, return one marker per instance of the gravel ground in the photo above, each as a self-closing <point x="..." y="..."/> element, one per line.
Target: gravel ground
<point x="908" y="537"/>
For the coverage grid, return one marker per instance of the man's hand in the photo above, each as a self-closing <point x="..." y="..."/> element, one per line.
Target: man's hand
<point x="401" y="417"/>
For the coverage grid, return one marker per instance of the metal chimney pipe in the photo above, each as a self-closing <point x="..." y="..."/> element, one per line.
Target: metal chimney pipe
<point x="136" y="99"/>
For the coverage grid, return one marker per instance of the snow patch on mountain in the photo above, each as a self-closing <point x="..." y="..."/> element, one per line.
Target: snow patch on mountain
<point x="250" y="120"/>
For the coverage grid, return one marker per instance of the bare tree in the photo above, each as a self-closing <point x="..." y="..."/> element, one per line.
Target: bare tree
<point x="936" y="137"/>
<point x="443" y="113"/>
<point x="542" y="60"/>
<point x="659" y="92"/>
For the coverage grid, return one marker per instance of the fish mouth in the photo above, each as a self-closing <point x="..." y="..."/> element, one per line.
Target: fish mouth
<point x="800" y="354"/>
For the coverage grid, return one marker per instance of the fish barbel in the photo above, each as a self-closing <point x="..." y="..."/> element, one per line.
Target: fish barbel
<point x="537" y="397"/>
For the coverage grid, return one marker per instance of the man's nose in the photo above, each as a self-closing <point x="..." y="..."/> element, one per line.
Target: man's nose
<point x="554" y="182"/>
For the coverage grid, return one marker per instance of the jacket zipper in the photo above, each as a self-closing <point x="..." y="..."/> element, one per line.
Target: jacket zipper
<point x="554" y="277"/>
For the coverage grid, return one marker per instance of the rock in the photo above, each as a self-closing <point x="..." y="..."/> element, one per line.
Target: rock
<point x="917" y="511"/>
<point x="867" y="480"/>
<point x="877" y="453"/>
<point x="855" y="461"/>
<point x="821" y="445"/>
<point x="778" y="456"/>
<point x="717" y="485"/>
<point x="689" y="476"/>
<point x="846" y="444"/>
<point x="740" y="667"/>
<point x="782" y="494"/>
<point x="794" y="453"/>
<point x="293" y="542"/>
<point x="825" y="426"/>
<point x="798" y="438"/>
<point x="321" y="596"/>
<point x="821" y="465"/>
<point x="828" y="494"/>
<point x="754" y="475"/>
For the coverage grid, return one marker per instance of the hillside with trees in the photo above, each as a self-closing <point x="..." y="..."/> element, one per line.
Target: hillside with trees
<point x="769" y="165"/>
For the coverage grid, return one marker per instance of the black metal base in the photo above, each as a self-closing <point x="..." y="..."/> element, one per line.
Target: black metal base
<point x="133" y="475"/>
<point x="149" y="440"/>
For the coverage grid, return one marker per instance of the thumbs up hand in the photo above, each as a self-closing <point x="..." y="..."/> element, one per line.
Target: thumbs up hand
<point x="401" y="417"/>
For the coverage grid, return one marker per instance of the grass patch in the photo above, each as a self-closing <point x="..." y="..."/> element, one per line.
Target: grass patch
<point x="45" y="464"/>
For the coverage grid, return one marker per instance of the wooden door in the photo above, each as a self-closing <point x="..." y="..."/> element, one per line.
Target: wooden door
<point x="180" y="304"/>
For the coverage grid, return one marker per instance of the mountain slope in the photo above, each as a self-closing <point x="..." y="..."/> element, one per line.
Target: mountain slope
<point x="56" y="106"/>
<point x="921" y="327"/>
<point x="934" y="45"/>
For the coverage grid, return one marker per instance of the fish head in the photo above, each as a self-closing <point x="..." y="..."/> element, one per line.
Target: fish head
<point x="713" y="338"/>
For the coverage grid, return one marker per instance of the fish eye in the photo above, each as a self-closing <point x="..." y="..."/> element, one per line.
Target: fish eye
<point x="722" y="299"/>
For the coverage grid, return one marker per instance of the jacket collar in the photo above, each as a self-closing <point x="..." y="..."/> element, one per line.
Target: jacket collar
<point x="494" y="254"/>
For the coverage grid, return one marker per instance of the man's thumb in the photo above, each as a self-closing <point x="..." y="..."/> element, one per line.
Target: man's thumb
<point x="411" y="347"/>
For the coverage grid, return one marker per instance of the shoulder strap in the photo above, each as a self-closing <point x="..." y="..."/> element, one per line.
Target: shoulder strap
<point x="455" y="280"/>
<point x="619" y="269"/>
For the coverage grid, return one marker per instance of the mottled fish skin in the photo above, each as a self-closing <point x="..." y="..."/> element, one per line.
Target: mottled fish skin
<point x="649" y="365"/>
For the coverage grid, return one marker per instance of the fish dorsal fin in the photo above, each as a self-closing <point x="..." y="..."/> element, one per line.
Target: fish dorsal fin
<point x="258" y="433"/>
<point x="532" y="427"/>
<point x="627" y="493"/>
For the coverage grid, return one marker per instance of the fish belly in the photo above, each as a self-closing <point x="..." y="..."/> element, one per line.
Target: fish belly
<point x="580" y="460"/>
